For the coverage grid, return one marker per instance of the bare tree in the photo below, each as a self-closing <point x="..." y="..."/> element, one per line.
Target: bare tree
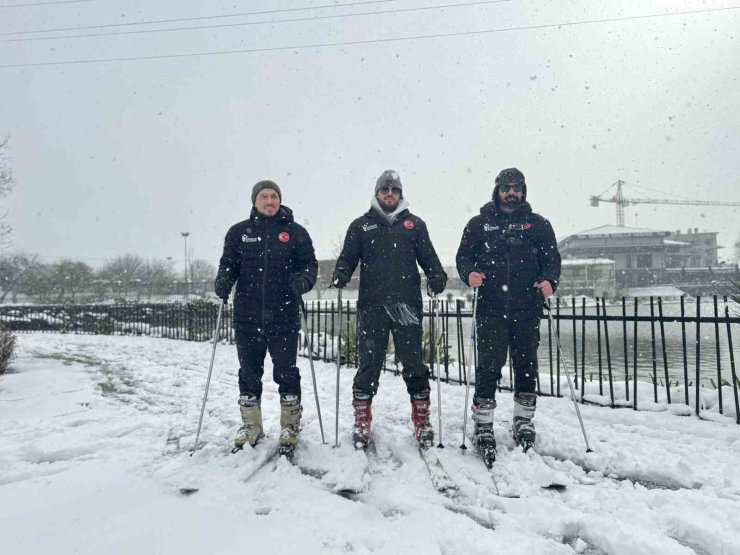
<point x="15" y="272"/>
<point x="159" y="273"/>
<point x="39" y="282"/>
<point x="70" y="277"/>
<point x="7" y="183"/>
<point x="123" y="272"/>
<point x="200" y="270"/>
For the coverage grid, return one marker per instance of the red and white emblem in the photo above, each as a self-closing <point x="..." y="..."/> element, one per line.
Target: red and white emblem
<point x="408" y="224"/>
<point x="284" y="236"/>
<point x="527" y="225"/>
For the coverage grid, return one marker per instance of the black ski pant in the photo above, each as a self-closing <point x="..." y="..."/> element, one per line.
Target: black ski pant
<point x="252" y="345"/>
<point x="374" y="326"/>
<point x="498" y="335"/>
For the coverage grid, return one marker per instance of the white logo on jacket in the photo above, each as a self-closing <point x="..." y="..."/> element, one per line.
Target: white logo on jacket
<point x="246" y="239"/>
<point x="369" y="227"/>
<point x="487" y="227"/>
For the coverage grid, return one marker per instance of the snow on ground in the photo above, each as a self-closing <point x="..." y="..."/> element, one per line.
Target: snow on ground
<point x="86" y="467"/>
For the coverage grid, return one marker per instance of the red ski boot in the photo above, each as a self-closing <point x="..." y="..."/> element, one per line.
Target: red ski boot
<point x="362" y="432"/>
<point x="423" y="431"/>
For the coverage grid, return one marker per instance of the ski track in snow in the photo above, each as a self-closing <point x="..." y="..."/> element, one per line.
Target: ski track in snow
<point x="86" y="467"/>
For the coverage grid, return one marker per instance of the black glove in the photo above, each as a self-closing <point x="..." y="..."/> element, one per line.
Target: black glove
<point x="436" y="284"/>
<point x="339" y="279"/>
<point x="300" y="284"/>
<point x="223" y="287"/>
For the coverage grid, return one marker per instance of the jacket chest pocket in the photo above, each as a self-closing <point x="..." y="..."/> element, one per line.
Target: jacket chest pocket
<point x="251" y="249"/>
<point x="373" y="241"/>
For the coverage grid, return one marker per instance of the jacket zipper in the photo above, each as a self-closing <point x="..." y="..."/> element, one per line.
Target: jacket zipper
<point x="508" y="273"/>
<point x="264" y="275"/>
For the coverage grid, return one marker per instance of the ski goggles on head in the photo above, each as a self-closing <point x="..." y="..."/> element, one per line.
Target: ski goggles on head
<point x="385" y="189"/>
<point x="504" y="187"/>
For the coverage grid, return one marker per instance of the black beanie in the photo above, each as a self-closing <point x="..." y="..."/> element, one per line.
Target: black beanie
<point x="265" y="184"/>
<point x="510" y="176"/>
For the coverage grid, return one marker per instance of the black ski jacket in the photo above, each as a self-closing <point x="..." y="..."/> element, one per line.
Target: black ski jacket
<point x="261" y="255"/>
<point x="389" y="253"/>
<point x="513" y="251"/>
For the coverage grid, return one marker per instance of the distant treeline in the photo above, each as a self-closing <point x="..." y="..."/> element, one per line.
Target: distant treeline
<point x="25" y="278"/>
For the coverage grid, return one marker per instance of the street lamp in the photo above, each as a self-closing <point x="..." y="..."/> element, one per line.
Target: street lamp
<point x="185" y="237"/>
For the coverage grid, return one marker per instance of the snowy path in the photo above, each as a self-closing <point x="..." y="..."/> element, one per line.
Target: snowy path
<point x="85" y="467"/>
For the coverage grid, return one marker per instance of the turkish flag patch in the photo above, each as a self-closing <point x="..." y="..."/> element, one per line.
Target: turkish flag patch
<point x="284" y="237"/>
<point x="527" y="225"/>
<point x="408" y="224"/>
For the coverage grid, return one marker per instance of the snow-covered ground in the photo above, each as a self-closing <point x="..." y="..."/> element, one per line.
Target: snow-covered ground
<point x="86" y="467"/>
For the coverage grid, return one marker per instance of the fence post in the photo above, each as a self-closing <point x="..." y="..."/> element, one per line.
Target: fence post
<point x="683" y="346"/>
<point x="575" y="341"/>
<point x="598" y="343"/>
<point x="583" y="348"/>
<point x="557" y="360"/>
<point x="549" y="351"/>
<point x="665" y="355"/>
<point x="698" y="351"/>
<point x="732" y="362"/>
<point x="634" y="361"/>
<point x="719" y="363"/>
<point x="655" y="356"/>
<point x="626" y="355"/>
<point x="608" y="353"/>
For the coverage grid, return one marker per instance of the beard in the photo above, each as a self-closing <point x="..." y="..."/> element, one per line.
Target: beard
<point x="389" y="204"/>
<point x="511" y="202"/>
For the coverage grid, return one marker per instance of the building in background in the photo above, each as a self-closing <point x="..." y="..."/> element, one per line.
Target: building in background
<point x="696" y="249"/>
<point x="645" y="257"/>
<point x="589" y="277"/>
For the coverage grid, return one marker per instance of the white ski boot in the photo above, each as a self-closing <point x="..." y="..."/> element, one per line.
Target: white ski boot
<point x="483" y="438"/>
<point x="251" y="429"/>
<point x="290" y="424"/>
<point x="523" y="427"/>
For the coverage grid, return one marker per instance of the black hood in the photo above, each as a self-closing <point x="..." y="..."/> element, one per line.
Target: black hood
<point x="492" y="207"/>
<point x="509" y="175"/>
<point x="284" y="214"/>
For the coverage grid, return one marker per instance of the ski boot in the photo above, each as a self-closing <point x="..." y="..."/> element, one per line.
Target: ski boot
<point x="523" y="427"/>
<point x="251" y="429"/>
<point x="423" y="431"/>
<point x="483" y="437"/>
<point x="290" y="424"/>
<point x="361" y="433"/>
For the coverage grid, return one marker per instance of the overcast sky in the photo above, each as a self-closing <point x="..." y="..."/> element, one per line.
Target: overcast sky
<point x="121" y="156"/>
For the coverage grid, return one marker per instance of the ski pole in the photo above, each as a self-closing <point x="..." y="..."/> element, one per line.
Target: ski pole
<point x="567" y="374"/>
<point x="210" y="370"/>
<point x="433" y="342"/>
<point x="339" y="364"/>
<point x="313" y="372"/>
<point x="467" y="377"/>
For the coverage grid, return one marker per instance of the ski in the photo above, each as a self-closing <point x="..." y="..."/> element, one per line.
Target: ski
<point x="354" y="478"/>
<point x="441" y="479"/>
<point x="265" y="457"/>
<point x="544" y="475"/>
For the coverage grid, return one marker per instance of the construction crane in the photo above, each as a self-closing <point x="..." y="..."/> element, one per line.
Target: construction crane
<point x="620" y="201"/>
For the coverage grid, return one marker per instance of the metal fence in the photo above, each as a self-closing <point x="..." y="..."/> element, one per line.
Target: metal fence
<point x="681" y="347"/>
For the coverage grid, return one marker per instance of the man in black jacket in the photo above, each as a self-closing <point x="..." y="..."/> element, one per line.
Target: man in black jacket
<point x="271" y="259"/>
<point x="510" y="254"/>
<point x="389" y="241"/>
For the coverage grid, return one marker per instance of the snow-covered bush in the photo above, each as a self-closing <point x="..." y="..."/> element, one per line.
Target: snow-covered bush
<point x="7" y="348"/>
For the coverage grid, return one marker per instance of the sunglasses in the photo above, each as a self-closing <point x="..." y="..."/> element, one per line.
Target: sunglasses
<point x="504" y="187"/>
<point x="385" y="189"/>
